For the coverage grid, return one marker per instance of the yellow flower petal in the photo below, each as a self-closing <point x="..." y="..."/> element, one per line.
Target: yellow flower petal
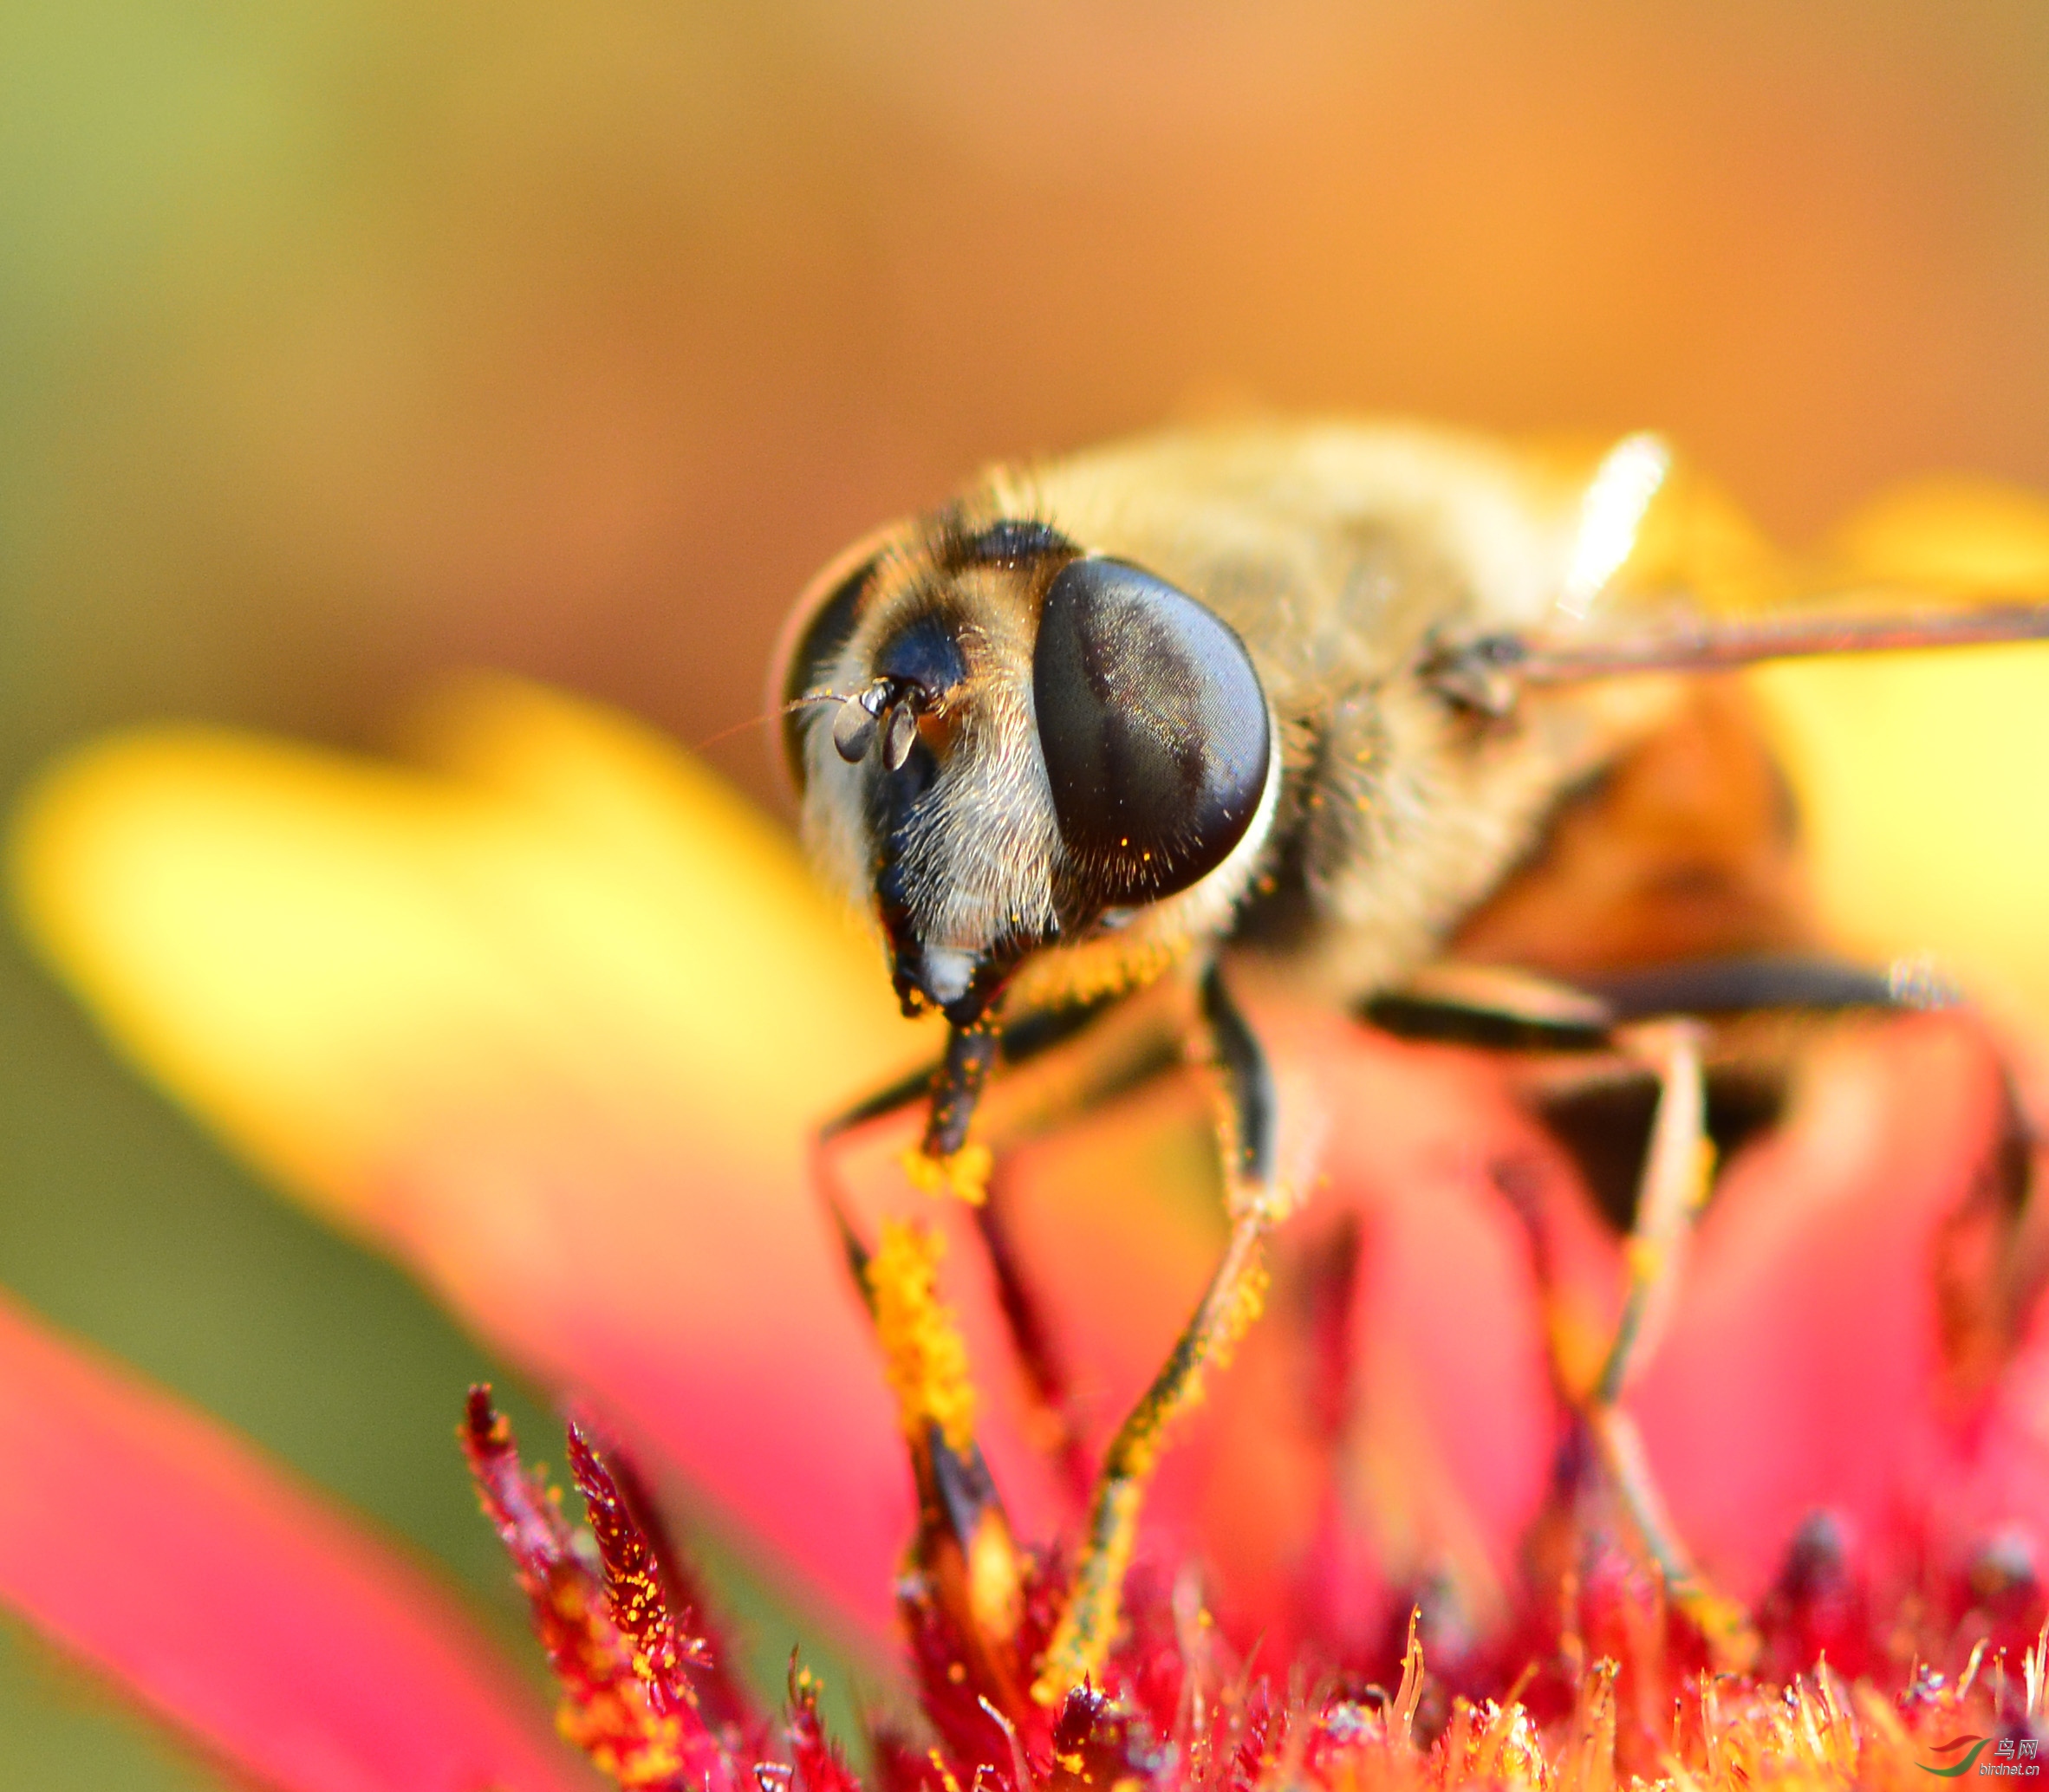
<point x="552" y="1021"/>
<point x="306" y="947"/>
<point x="1923" y="778"/>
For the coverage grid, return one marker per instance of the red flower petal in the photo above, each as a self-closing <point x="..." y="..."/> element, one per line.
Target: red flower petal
<point x="234" y="1604"/>
<point x="553" y="1022"/>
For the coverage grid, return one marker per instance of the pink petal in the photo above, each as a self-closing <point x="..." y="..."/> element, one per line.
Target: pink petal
<point x="234" y="1604"/>
<point x="552" y="1023"/>
<point x="1804" y="1370"/>
<point x="1447" y="1436"/>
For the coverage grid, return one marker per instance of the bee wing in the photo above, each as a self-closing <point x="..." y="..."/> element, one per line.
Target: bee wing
<point x="1919" y="776"/>
<point x="1874" y="619"/>
<point x="550" y="1021"/>
<point x="1937" y="563"/>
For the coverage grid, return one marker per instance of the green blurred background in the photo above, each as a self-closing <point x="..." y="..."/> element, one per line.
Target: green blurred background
<point x="342" y="345"/>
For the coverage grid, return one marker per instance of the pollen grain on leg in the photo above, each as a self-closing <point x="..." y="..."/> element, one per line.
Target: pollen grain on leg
<point x="964" y="1174"/>
<point x="923" y="1350"/>
<point x="1088" y="1626"/>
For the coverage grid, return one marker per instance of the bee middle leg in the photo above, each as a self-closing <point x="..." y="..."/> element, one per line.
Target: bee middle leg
<point x="1678" y="1171"/>
<point x="1655" y="1021"/>
<point x="1228" y="1305"/>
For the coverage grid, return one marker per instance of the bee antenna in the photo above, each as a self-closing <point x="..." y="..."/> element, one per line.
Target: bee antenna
<point x="806" y="701"/>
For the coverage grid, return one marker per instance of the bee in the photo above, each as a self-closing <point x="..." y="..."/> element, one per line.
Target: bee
<point x="1386" y="714"/>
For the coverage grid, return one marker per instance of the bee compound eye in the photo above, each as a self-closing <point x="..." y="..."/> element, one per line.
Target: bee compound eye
<point x="1153" y="727"/>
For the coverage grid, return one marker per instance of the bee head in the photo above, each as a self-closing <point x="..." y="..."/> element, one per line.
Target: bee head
<point x="1006" y="744"/>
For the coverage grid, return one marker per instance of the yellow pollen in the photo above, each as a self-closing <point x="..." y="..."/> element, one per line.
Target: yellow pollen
<point x="963" y="1174"/>
<point x="925" y="1356"/>
<point x="1081" y="1640"/>
<point x="1248" y="1300"/>
<point x="1701" y="1180"/>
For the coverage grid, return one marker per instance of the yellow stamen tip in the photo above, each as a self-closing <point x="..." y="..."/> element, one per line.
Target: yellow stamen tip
<point x="995" y="1595"/>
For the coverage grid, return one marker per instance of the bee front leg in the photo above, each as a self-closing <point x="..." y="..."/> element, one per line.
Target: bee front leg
<point x="893" y="1097"/>
<point x="1229" y="1304"/>
<point x="1678" y="1170"/>
<point x="942" y="1161"/>
<point x="968" y="1566"/>
<point x="1107" y="1062"/>
<point x="1077" y="1057"/>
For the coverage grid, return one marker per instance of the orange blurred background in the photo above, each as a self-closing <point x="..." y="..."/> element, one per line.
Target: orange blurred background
<point x="354" y="342"/>
<point x="345" y="344"/>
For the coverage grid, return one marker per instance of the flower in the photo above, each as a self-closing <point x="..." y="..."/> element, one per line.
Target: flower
<point x="550" y="1022"/>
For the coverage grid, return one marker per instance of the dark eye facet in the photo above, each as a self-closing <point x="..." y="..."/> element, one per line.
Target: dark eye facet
<point x="1153" y="727"/>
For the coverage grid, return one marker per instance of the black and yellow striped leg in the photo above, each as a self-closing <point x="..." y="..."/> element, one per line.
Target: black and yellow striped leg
<point x="1088" y="1624"/>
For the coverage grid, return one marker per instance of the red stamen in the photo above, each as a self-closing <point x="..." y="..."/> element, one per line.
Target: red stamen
<point x="620" y="1663"/>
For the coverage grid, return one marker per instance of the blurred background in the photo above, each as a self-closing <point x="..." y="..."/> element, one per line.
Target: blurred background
<point x="345" y="344"/>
